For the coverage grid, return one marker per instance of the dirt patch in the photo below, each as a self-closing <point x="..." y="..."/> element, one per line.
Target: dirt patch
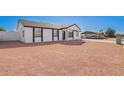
<point x="61" y="58"/>
<point x="110" y="39"/>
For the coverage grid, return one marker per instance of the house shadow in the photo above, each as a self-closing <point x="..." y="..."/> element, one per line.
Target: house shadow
<point x="16" y="44"/>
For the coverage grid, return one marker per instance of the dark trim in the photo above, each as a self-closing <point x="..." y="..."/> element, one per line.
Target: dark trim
<point x="58" y="34"/>
<point x="52" y="34"/>
<point x="88" y="32"/>
<point x="56" y="28"/>
<point x="41" y="34"/>
<point x="73" y="34"/>
<point x="21" y="20"/>
<point x="71" y="26"/>
<point x="23" y="33"/>
<point x="33" y="35"/>
<point x="41" y="27"/>
<point x="37" y="36"/>
<point x="63" y="35"/>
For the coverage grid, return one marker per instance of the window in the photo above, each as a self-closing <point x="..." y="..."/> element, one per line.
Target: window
<point x="23" y="33"/>
<point x="37" y="32"/>
<point x="70" y="34"/>
<point x="77" y="33"/>
<point x="55" y="34"/>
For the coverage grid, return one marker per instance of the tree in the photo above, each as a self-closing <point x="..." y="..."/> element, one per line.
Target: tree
<point x="101" y="30"/>
<point x="110" y="32"/>
<point x="2" y="29"/>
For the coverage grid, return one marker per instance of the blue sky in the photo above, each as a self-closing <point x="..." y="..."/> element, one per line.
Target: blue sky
<point x="92" y="23"/>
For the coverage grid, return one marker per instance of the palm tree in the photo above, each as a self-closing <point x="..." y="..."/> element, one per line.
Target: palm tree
<point x="2" y="29"/>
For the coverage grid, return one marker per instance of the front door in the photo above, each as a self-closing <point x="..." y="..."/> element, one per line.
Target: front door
<point x="63" y="35"/>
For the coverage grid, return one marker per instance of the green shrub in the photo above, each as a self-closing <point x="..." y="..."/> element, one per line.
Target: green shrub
<point x="110" y="32"/>
<point x="2" y="29"/>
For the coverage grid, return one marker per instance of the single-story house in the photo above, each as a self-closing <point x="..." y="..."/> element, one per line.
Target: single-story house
<point x="31" y="31"/>
<point x="120" y="38"/>
<point x="92" y="35"/>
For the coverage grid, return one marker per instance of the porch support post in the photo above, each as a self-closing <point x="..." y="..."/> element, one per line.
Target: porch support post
<point x="42" y="34"/>
<point x="33" y="35"/>
<point x="52" y="34"/>
<point x="66" y="34"/>
<point x="73" y="34"/>
<point x="58" y="33"/>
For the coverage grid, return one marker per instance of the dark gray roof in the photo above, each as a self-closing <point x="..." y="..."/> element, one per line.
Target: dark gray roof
<point x="88" y="32"/>
<point x="41" y="24"/>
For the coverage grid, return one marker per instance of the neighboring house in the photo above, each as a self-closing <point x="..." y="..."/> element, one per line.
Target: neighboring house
<point x="31" y="31"/>
<point x="92" y="35"/>
<point x="120" y="38"/>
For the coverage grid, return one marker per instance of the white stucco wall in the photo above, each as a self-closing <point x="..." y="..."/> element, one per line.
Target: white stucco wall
<point x="80" y="35"/>
<point x="55" y="38"/>
<point x="9" y="36"/>
<point x="70" y="38"/>
<point x="28" y="37"/>
<point x="20" y="29"/>
<point x="76" y="37"/>
<point x="74" y="28"/>
<point x="67" y="37"/>
<point x="37" y="39"/>
<point x="60" y="34"/>
<point x="47" y="35"/>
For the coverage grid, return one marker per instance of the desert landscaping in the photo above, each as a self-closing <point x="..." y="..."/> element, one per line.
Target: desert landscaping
<point x="61" y="58"/>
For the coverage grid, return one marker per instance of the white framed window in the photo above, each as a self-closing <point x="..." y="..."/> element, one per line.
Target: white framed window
<point x="70" y="34"/>
<point x="77" y="33"/>
<point x="55" y="34"/>
<point x="37" y="32"/>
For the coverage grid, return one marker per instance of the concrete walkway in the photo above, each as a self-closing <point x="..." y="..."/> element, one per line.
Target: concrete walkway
<point x="100" y="40"/>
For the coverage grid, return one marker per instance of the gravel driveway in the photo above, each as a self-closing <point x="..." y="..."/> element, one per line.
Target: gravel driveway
<point x="100" y="40"/>
<point x="61" y="58"/>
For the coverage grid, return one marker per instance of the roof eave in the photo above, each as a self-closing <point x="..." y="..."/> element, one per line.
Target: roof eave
<point x="71" y="26"/>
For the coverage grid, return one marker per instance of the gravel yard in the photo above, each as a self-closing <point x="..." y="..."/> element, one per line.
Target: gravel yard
<point x="61" y="58"/>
